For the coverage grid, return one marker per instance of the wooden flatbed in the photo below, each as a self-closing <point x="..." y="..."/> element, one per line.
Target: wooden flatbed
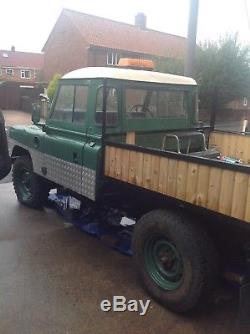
<point x="212" y="184"/>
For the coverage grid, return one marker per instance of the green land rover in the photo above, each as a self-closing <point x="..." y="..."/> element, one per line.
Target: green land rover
<point x="129" y="138"/>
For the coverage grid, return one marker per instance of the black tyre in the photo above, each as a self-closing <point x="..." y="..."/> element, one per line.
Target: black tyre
<point x="30" y="188"/>
<point x="176" y="260"/>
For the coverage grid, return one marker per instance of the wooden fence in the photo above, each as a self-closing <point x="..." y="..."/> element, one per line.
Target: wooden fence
<point x="232" y="144"/>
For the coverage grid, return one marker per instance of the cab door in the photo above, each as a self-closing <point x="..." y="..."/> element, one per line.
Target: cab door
<point x="65" y="136"/>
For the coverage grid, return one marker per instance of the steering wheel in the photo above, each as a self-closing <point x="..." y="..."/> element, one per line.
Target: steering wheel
<point x="141" y="108"/>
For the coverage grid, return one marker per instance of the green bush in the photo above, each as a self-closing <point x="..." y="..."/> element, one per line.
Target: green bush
<point x="52" y="87"/>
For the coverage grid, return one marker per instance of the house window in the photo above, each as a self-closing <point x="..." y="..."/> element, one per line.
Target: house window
<point x="9" y="71"/>
<point x="245" y="101"/>
<point x="25" y="74"/>
<point x="112" y="58"/>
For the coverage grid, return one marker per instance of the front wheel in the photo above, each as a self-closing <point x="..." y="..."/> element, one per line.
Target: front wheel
<point x="31" y="190"/>
<point x="176" y="260"/>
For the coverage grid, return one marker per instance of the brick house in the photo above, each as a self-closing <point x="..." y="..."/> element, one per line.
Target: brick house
<point x="79" y="40"/>
<point x="20" y="77"/>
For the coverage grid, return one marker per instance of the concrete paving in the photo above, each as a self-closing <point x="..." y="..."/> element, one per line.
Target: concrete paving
<point x="52" y="280"/>
<point x="15" y="117"/>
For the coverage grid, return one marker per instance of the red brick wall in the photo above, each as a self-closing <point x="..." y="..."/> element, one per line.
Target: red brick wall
<point x="98" y="56"/>
<point x="65" y="50"/>
<point x="16" y="77"/>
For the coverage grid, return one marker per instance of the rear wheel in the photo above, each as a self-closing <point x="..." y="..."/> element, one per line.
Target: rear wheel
<point x="176" y="260"/>
<point x="31" y="189"/>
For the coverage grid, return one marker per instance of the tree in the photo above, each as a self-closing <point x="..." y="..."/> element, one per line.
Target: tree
<point x="169" y="65"/>
<point x="52" y="87"/>
<point x="222" y="71"/>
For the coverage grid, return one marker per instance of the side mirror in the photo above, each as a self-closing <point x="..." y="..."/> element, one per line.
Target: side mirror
<point x="45" y="105"/>
<point x="36" y="113"/>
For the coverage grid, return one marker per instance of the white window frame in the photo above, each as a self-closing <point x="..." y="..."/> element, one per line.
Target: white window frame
<point x="114" y="58"/>
<point x="22" y="73"/>
<point x="9" y="69"/>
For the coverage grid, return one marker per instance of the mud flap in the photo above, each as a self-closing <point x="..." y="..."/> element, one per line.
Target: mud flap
<point x="5" y="160"/>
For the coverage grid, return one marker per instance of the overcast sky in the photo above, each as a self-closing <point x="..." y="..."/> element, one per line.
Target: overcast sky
<point x="26" y="24"/>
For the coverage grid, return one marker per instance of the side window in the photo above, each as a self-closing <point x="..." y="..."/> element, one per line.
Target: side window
<point x="111" y="108"/>
<point x="64" y="104"/>
<point x="71" y="104"/>
<point x="80" y="106"/>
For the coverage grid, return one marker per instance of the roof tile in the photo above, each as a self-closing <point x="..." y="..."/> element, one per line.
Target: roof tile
<point x="101" y="32"/>
<point x="21" y="59"/>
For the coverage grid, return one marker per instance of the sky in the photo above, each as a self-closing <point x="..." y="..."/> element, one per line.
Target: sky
<point x="26" y="24"/>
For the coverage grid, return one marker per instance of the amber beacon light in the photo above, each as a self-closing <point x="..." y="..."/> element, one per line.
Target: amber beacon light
<point x="144" y="64"/>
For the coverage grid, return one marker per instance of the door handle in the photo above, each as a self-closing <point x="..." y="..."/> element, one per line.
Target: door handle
<point x="75" y="157"/>
<point x="36" y="142"/>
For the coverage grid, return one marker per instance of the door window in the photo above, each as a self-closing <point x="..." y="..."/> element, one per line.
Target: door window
<point x="111" y="107"/>
<point x="71" y="104"/>
<point x="64" y="104"/>
<point x="80" y="105"/>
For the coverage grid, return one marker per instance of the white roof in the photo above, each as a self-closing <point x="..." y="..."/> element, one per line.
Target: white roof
<point x="129" y="74"/>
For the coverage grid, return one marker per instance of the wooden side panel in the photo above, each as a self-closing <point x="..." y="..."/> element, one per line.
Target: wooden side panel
<point x="221" y="190"/>
<point x="231" y="144"/>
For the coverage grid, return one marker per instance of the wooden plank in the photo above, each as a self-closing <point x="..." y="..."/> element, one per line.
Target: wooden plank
<point x="107" y="160"/>
<point x="155" y="172"/>
<point x="118" y="163"/>
<point x="192" y="178"/>
<point x="125" y="165"/>
<point x="163" y="175"/>
<point x="240" y="195"/>
<point x="247" y="209"/>
<point x="226" y="192"/>
<point x="181" y="184"/>
<point x="139" y="169"/>
<point x="146" y="176"/>
<point x="132" y="167"/>
<point x="130" y="138"/>
<point x="172" y="177"/>
<point x="112" y="161"/>
<point x="202" y="185"/>
<point x="214" y="188"/>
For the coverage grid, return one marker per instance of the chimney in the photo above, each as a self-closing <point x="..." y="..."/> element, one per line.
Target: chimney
<point x="13" y="49"/>
<point x="141" y="20"/>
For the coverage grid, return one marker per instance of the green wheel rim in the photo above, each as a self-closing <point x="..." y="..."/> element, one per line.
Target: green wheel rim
<point x="163" y="263"/>
<point x="24" y="183"/>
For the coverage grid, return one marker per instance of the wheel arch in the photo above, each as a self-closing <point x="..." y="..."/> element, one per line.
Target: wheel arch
<point x="19" y="151"/>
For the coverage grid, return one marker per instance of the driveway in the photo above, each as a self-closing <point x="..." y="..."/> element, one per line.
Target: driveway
<point x="15" y="117"/>
<point x="53" y="279"/>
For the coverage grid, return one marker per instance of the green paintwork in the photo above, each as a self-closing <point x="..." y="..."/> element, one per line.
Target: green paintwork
<point x="82" y="143"/>
<point x="163" y="263"/>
